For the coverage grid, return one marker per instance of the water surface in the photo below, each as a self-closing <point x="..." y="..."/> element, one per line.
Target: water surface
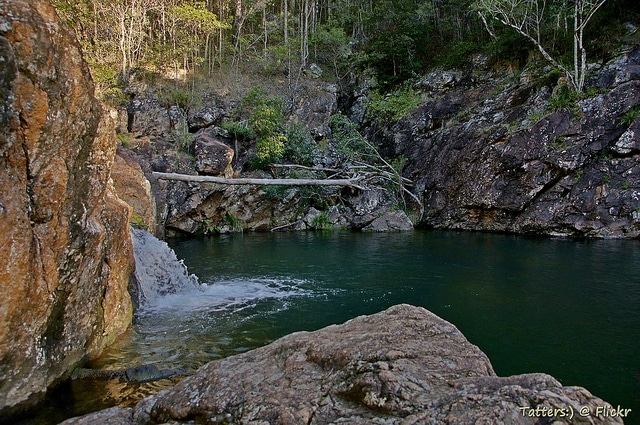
<point x="564" y="307"/>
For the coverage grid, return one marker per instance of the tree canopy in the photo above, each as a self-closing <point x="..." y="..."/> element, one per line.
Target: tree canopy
<point x="396" y="38"/>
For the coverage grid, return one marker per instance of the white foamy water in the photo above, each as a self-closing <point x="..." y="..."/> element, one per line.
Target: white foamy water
<point x="165" y="285"/>
<point x="228" y="295"/>
<point x="158" y="270"/>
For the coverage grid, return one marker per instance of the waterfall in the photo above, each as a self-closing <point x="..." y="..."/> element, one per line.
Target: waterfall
<point x="158" y="270"/>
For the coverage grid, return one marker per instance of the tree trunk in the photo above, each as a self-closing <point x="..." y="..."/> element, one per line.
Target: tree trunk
<point x="260" y="182"/>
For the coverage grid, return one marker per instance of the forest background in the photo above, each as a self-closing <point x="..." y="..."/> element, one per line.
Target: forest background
<point x="397" y="40"/>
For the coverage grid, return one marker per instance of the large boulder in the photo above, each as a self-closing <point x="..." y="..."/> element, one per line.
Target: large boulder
<point x="213" y="157"/>
<point x="65" y="250"/>
<point x="404" y="365"/>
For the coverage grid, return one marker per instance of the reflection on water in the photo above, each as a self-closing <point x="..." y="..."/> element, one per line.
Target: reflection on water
<point x="564" y="307"/>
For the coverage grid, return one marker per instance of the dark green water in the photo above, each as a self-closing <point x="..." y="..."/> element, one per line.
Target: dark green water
<point x="564" y="307"/>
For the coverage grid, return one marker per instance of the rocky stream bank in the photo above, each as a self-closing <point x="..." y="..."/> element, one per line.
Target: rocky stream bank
<point x="404" y="365"/>
<point x="484" y="150"/>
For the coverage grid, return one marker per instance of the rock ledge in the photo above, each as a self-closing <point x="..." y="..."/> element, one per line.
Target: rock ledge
<point x="404" y="365"/>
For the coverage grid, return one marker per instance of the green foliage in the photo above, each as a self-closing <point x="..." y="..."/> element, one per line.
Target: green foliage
<point x="350" y="143"/>
<point x="631" y="115"/>
<point x="332" y="47"/>
<point x="183" y="139"/>
<point x="137" y="221"/>
<point x="563" y="98"/>
<point x="321" y="221"/>
<point x="393" y="106"/>
<point x="265" y="124"/>
<point x="125" y="139"/>
<point x="270" y="149"/>
<point x="397" y="38"/>
<point x="274" y="192"/>
<point x="233" y="221"/>
<point x="257" y="97"/>
<point x="398" y="164"/>
<point x="300" y="148"/>
<point x="207" y="227"/>
<point x="239" y="129"/>
<point x="276" y="59"/>
<point x="182" y="97"/>
<point x="458" y="53"/>
<point x="266" y="120"/>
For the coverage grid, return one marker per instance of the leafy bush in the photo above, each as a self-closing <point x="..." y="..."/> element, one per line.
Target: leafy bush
<point x="184" y="98"/>
<point x="321" y="221"/>
<point x="270" y="148"/>
<point x="563" y="98"/>
<point x="350" y="143"/>
<point x="631" y="115"/>
<point x="233" y="221"/>
<point x="300" y="147"/>
<point x="239" y="129"/>
<point x="183" y="139"/>
<point x="393" y="106"/>
<point x="457" y="53"/>
<point x="266" y="122"/>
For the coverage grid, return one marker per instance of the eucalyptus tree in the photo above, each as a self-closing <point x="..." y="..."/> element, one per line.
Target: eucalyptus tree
<point x="194" y="26"/>
<point x="531" y="18"/>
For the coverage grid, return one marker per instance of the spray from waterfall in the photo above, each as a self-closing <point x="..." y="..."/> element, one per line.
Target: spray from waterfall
<point x="158" y="270"/>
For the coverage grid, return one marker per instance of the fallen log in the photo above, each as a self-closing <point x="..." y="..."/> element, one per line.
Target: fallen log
<point x="353" y="182"/>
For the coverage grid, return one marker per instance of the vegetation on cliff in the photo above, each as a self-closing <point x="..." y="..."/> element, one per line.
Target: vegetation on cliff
<point x="300" y="89"/>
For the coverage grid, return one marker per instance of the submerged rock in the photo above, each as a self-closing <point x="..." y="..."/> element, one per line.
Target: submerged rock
<point x="138" y="374"/>
<point x="404" y="365"/>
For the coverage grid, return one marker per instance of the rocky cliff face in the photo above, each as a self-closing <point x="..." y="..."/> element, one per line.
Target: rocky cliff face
<point x="65" y="251"/>
<point x="496" y="153"/>
<point x="404" y="365"/>
<point x="487" y="150"/>
<point x="155" y="142"/>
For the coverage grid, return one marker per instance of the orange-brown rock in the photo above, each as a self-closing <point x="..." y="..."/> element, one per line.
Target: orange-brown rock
<point x="133" y="187"/>
<point x="65" y="250"/>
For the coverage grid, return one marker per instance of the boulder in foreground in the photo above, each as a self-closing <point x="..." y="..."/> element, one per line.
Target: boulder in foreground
<point x="404" y="366"/>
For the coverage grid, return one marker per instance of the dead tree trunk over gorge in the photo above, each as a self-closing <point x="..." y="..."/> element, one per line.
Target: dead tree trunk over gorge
<point x="352" y="182"/>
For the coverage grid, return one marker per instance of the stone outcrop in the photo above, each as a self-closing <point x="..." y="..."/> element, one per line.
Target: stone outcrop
<point x="65" y="251"/>
<point x="489" y="152"/>
<point x="213" y="157"/>
<point x="132" y="186"/>
<point x="404" y="365"/>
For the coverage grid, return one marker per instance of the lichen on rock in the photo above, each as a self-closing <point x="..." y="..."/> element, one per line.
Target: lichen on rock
<point x="65" y="251"/>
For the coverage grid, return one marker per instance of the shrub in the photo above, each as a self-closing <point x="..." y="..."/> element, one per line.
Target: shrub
<point x="300" y="148"/>
<point x="239" y="129"/>
<point x="631" y="115"/>
<point x="270" y="148"/>
<point x="321" y="221"/>
<point x="393" y="106"/>
<point x="350" y="143"/>
<point x="181" y="97"/>
<point x="233" y="221"/>
<point x="183" y="139"/>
